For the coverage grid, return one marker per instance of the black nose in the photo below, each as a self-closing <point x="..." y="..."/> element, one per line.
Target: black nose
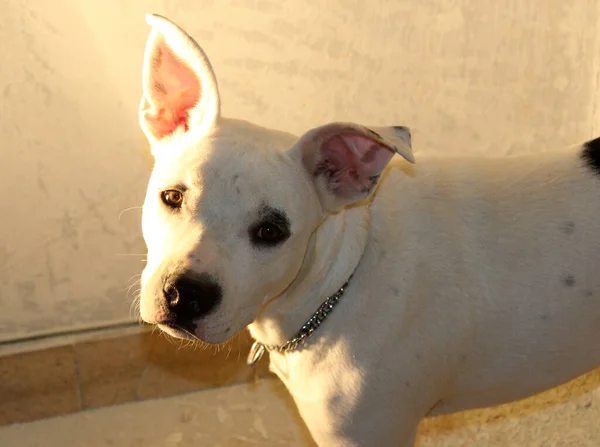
<point x="190" y="296"/>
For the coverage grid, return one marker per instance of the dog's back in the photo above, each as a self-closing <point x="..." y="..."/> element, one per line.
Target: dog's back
<point x="503" y="255"/>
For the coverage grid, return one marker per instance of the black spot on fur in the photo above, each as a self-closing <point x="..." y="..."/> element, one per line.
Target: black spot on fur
<point x="590" y="154"/>
<point x="395" y="291"/>
<point x="569" y="280"/>
<point x="567" y="227"/>
<point x="588" y="293"/>
<point x="407" y="384"/>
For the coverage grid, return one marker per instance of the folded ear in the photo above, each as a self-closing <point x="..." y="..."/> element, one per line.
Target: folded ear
<point x="180" y="91"/>
<point x="345" y="160"/>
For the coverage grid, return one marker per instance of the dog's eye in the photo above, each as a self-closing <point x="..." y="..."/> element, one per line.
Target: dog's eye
<point x="268" y="234"/>
<point x="172" y="198"/>
<point x="271" y="230"/>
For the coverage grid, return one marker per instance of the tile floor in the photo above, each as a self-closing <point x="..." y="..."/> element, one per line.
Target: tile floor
<point x="262" y="414"/>
<point x="259" y="414"/>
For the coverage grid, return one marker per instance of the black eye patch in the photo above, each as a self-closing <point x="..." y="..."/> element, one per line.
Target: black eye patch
<point x="271" y="229"/>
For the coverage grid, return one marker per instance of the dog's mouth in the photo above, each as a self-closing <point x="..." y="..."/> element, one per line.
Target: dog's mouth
<point x="177" y="331"/>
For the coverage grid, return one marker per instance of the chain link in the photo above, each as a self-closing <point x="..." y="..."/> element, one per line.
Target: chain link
<point x="313" y="322"/>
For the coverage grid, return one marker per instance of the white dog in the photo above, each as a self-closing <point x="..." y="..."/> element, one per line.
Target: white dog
<point x="385" y="291"/>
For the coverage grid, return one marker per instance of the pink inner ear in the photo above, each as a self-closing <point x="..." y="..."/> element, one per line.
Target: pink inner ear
<point x="352" y="163"/>
<point x="173" y="89"/>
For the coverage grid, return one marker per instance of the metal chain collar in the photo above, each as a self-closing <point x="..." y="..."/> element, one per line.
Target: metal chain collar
<point x="258" y="349"/>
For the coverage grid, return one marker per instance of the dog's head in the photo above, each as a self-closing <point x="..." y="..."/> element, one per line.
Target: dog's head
<point x="230" y="206"/>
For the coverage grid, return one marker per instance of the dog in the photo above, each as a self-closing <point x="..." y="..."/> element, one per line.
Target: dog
<point x="384" y="290"/>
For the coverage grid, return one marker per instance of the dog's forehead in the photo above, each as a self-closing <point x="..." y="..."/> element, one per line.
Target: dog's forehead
<point x="243" y="154"/>
<point x="240" y="170"/>
<point x="236" y="150"/>
<point x="246" y="147"/>
<point x="244" y="133"/>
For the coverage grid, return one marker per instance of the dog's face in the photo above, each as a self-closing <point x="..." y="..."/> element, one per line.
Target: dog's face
<point x="230" y="206"/>
<point x="226" y="223"/>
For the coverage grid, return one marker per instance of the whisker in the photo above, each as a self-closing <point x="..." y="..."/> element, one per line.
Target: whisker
<point x="129" y="287"/>
<point x="128" y="209"/>
<point x="134" y="308"/>
<point x="134" y="281"/>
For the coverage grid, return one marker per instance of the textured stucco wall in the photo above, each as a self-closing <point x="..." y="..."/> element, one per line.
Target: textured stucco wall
<point x="477" y="76"/>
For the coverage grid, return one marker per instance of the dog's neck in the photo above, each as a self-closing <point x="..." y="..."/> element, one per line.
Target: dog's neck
<point x="333" y="253"/>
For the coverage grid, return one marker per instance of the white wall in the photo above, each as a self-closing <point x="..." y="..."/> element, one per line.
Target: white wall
<point x="478" y="76"/>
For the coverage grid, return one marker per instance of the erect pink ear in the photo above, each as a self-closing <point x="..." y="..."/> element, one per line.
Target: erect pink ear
<point x="180" y="91"/>
<point x="346" y="160"/>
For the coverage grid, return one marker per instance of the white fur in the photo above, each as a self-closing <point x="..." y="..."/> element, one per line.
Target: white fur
<point x="476" y="278"/>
